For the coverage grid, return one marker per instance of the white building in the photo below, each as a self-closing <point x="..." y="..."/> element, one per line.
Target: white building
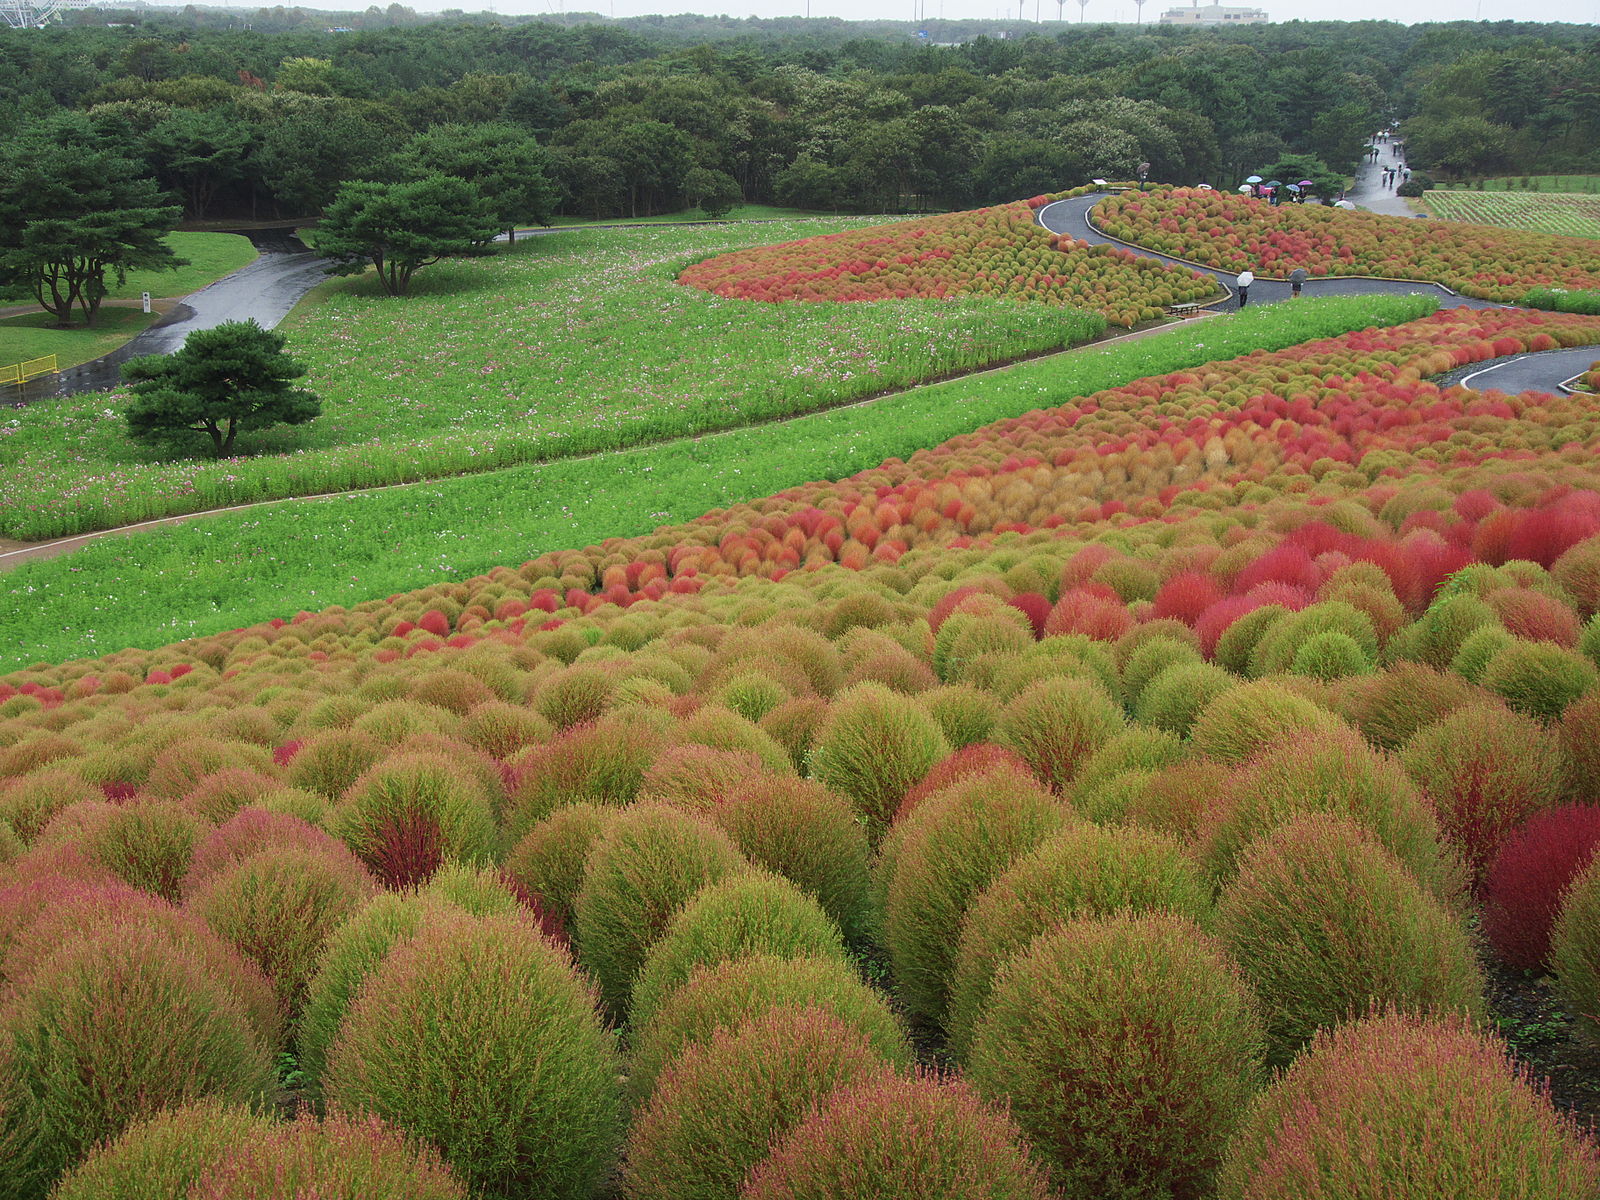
<point x="1214" y="14"/>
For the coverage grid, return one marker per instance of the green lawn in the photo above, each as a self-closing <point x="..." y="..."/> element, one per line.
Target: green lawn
<point x="1567" y="214"/>
<point x="1531" y="183"/>
<point x="158" y="586"/>
<point x="34" y="335"/>
<point x="210" y="255"/>
<point x="563" y="345"/>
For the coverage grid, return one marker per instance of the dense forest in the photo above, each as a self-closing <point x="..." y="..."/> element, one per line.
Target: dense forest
<point x="267" y="115"/>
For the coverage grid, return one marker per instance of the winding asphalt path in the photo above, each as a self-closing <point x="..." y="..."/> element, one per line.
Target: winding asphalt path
<point x="1072" y="217"/>
<point x="1543" y="371"/>
<point x="265" y="290"/>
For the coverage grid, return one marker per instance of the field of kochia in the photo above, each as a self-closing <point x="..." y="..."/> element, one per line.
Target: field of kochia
<point x="1135" y="775"/>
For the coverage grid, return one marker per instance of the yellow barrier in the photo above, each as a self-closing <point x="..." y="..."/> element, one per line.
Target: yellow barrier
<point x="31" y="369"/>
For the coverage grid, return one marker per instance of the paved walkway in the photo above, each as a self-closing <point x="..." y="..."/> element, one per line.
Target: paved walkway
<point x="265" y="289"/>
<point x="1537" y="372"/>
<point x="1369" y="192"/>
<point x="1072" y="217"/>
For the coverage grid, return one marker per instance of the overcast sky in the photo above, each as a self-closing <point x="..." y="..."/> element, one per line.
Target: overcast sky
<point x="1409" y="11"/>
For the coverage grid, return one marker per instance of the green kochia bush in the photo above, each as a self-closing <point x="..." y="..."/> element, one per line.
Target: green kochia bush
<point x="898" y="1135"/>
<point x="1082" y="871"/>
<point x="340" y="1158"/>
<point x="1327" y="924"/>
<point x="148" y="843"/>
<point x="1174" y="699"/>
<point x="876" y="744"/>
<point x="1126" y="1048"/>
<point x="1055" y="724"/>
<point x="947" y="852"/>
<point x="478" y="1035"/>
<point x="647" y="863"/>
<point x="409" y="813"/>
<point x="1257" y="716"/>
<point x="728" y="993"/>
<point x="747" y="913"/>
<point x="1539" y="678"/>
<point x="1575" y="949"/>
<point x="720" y="1106"/>
<point x="1401" y="1105"/>
<point x="109" y="1030"/>
<point x="549" y="860"/>
<point x="1336" y="773"/>
<point x="162" y="1157"/>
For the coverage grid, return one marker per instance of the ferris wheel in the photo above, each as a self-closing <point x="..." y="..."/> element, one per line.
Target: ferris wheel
<point x="35" y="14"/>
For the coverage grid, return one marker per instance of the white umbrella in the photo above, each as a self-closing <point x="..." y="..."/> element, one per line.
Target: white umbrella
<point x="1205" y="187"/>
<point x="1344" y="203"/>
<point x="1245" y="188"/>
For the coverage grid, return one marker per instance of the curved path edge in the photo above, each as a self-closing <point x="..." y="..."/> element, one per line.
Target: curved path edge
<point x="1071" y="217"/>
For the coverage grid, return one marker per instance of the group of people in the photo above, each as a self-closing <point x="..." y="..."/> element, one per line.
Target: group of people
<point x="1297" y="280"/>
<point x="1394" y="176"/>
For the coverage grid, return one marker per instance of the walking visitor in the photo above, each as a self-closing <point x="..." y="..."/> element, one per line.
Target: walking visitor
<point x="1246" y="278"/>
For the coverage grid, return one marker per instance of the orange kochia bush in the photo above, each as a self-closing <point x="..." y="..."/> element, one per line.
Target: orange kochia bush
<point x="1236" y="232"/>
<point x="1000" y="251"/>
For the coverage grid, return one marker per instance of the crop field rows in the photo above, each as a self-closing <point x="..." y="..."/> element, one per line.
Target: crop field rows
<point x="1129" y="775"/>
<point x="1568" y="215"/>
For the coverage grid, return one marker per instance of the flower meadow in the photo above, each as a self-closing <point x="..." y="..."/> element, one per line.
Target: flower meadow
<point x="1000" y="251"/>
<point x="1127" y="798"/>
<point x="564" y="345"/>
<point x="1233" y="232"/>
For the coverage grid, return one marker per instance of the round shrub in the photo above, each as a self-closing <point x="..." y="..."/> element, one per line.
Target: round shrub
<point x="1139" y="748"/>
<point x="896" y="1135"/>
<point x="162" y="1157"/>
<point x="1539" y="678"/>
<point x="409" y="813"/>
<point x="148" y="843"/>
<point x="1253" y="717"/>
<point x="947" y="853"/>
<point x="799" y="829"/>
<point x="1126" y="1047"/>
<point x="328" y="763"/>
<point x="1152" y="658"/>
<point x="794" y="724"/>
<point x="875" y="745"/>
<point x="1478" y="649"/>
<point x="574" y="695"/>
<point x="1175" y="698"/>
<point x="1525" y="885"/>
<point x="725" y="994"/>
<point x="1282" y="644"/>
<point x="28" y="803"/>
<point x="1579" y="735"/>
<point x="500" y="730"/>
<point x="1487" y="771"/>
<point x="965" y="714"/>
<point x="980" y="758"/>
<point x="1082" y="871"/>
<point x="1329" y="655"/>
<point x="181" y="765"/>
<point x="1236" y="644"/>
<point x="747" y="913"/>
<point x="548" y="862"/>
<point x="340" y="1158"/>
<point x="723" y="729"/>
<point x="603" y="763"/>
<point x="479" y="1036"/>
<point x="1327" y="925"/>
<point x="222" y="793"/>
<point x="1449" y="621"/>
<point x="1575" y="949"/>
<point x="1335" y="773"/>
<point x="1578" y="571"/>
<point x="647" y="862"/>
<point x="75" y="1077"/>
<point x="696" y="777"/>
<point x="278" y="906"/>
<point x="248" y="832"/>
<point x="752" y="695"/>
<point x="720" y="1105"/>
<point x="1391" y="706"/>
<point x="1055" y="724"/>
<point x="1406" y="1105"/>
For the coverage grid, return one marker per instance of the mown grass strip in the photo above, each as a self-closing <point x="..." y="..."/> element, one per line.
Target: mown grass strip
<point x="151" y="588"/>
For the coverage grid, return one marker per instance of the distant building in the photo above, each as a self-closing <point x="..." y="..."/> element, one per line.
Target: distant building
<point x="1214" y="14"/>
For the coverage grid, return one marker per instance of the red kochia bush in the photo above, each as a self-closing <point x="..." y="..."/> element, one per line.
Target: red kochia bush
<point x="247" y="832"/>
<point x="977" y="759"/>
<point x="1407" y="1106"/>
<point x="1528" y="879"/>
<point x="411" y="812"/>
<point x="895" y="1135"/>
<point x="113" y="1028"/>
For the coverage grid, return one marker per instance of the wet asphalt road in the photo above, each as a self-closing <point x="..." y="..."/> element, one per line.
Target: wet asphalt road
<point x="1072" y="217"/>
<point x="1538" y="372"/>
<point x="265" y="289"/>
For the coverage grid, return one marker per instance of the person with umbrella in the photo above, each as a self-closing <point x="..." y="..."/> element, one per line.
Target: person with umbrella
<point x="1306" y="187"/>
<point x="1246" y="278"/>
<point x="1255" y="184"/>
<point x="1275" y="186"/>
<point x="1297" y="280"/>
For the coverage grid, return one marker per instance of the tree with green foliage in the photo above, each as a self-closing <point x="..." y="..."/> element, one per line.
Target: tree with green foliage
<point x="232" y="379"/>
<point x="507" y="166"/>
<point x="399" y="227"/>
<point x="74" y="207"/>
<point x="714" y="192"/>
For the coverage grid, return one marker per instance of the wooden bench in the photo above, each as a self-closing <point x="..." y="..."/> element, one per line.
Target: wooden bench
<point x="1188" y="309"/>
